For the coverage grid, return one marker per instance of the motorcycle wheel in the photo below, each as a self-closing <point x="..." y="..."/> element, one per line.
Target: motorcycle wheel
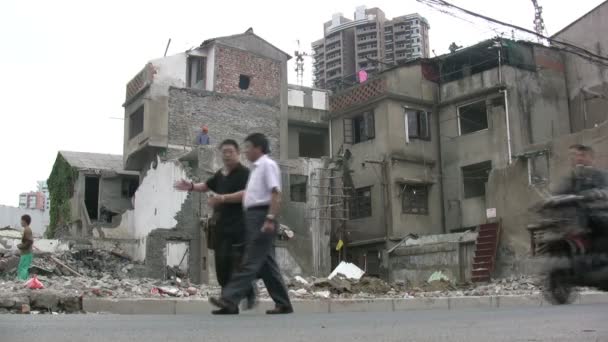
<point x="558" y="289"/>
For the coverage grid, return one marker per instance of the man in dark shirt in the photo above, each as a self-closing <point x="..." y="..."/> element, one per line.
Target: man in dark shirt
<point x="229" y="242"/>
<point x="592" y="183"/>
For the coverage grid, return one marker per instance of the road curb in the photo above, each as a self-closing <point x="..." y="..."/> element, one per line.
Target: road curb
<point x="201" y="306"/>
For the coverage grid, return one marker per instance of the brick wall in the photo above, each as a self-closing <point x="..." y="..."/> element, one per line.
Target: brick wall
<point x="265" y="74"/>
<point x="227" y="117"/>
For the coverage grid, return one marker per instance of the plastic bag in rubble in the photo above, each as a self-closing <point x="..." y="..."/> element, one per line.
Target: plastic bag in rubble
<point x="34" y="283"/>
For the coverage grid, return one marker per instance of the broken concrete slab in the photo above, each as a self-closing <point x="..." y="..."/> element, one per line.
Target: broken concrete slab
<point x="348" y="270"/>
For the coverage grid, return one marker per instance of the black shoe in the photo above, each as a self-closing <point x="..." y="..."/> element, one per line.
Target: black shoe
<point x="226" y="307"/>
<point x="280" y="310"/>
<point x="225" y="312"/>
<point x="252" y="301"/>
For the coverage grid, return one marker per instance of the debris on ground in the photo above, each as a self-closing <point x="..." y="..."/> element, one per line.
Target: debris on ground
<point x="348" y="270"/>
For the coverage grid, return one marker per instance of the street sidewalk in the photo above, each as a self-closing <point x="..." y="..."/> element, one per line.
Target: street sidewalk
<point x="201" y="306"/>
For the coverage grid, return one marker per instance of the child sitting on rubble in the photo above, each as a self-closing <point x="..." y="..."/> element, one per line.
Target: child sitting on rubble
<point x="25" y="249"/>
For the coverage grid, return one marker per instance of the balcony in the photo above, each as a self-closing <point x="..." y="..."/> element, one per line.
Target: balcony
<point x="333" y="39"/>
<point x="333" y="67"/>
<point x="333" y="48"/>
<point x="367" y="47"/>
<point x="334" y="76"/>
<point x="333" y="57"/>
<point x="367" y="29"/>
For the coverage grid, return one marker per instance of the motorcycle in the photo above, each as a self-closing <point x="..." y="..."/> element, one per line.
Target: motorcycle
<point x="565" y="239"/>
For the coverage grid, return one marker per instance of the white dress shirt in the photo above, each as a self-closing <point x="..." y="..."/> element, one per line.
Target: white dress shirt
<point x="264" y="177"/>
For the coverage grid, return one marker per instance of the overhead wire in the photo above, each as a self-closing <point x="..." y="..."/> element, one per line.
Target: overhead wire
<point x="567" y="47"/>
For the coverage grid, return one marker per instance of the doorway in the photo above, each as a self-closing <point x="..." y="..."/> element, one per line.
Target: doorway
<point x="91" y="197"/>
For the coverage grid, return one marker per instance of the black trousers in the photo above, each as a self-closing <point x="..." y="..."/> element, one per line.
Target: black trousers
<point x="229" y="250"/>
<point x="259" y="261"/>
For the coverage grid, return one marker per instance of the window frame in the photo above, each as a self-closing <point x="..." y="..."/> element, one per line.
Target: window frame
<point x="354" y="133"/>
<point x="459" y="117"/>
<point x="464" y="180"/>
<point x="406" y="116"/>
<point x="411" y="209"/>
<point x="298" y="185"/>
<point x="530" y="162"/>
<point x="201" y="70"/>
<point x="140" y="111"/>
<point x="355" y="203"/>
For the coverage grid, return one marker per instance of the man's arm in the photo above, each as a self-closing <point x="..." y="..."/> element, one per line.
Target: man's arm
<point x="564" y="187"/>
<point x="273" y="182"/>
<point x="236" y="197"/>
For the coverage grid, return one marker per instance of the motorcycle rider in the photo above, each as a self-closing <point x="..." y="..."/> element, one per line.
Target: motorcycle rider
<point x="591" y="183"/>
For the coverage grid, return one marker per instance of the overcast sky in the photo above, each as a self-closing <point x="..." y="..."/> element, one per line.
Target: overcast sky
<point x="64" y="63"/>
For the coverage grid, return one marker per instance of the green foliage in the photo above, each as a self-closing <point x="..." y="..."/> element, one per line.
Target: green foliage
<point x="61" y="188"/>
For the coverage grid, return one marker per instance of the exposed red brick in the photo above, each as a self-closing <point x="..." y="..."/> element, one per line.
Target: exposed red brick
<point x="265" y="73"/>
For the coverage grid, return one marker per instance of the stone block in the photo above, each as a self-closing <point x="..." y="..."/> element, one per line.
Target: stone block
<point x="44" y="299"/>
<point x="594" y="298"/>
<point x="471" y="302"/>
<point x="193" y="307"/>
<point x="518" y="301"/>
<point x="71" y="304"/>
<point x="311" y="306"/>
<point x="129" y="306"/>
<point x="373" y="305"/>
<point x="420" y="304"/>
<point x="6" y="302"/>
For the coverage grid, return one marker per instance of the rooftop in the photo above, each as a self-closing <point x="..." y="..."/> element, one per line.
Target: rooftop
<point x="93" y="161"/>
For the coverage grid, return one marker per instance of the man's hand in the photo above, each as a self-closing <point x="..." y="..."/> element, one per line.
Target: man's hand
<point x="269" y="226"/>
<point x="593" y="194"/>
<point x="183" y="185"/>
<point x="215" y="201"/>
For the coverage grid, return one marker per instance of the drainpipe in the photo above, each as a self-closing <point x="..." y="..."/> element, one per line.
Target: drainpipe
<point x="331" y="148"/>
<point x="509" y="152"/>
<point x="505" y="93"/>
<point x="437" y="109"/>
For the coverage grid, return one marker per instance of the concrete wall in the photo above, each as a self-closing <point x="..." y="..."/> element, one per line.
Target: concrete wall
<point x="111" y="196"/>
<point x="299" y="96"/>
<point x="227" y="117"/>
<point x="416" y="160"/>
<point x="310" y="250"/>
<point x="156" y="205"/>
<point x="320" y="134"/>
<point x="587" y="81"/>
<point x="11" y="217"/>
<point x="537" y="113"/>
<point x="511" y="183"/>
<point x="168" y="71"/>
<point x="415" y="264"/>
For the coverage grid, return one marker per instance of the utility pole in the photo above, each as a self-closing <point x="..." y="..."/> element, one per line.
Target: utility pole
<point x="300" y="64"/>
<point x="539" y="23"/>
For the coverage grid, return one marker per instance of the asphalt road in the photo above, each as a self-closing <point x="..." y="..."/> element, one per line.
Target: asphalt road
<point x="556" y="323"/>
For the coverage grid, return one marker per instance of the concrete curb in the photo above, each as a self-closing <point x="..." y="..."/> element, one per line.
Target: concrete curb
<point x="200" y="306"/>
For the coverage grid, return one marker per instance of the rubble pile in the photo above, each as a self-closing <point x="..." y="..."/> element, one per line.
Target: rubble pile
<point x="370" y="287"/>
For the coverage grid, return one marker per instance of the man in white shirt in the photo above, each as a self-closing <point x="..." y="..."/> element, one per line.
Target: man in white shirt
<point x="262" y="202"/>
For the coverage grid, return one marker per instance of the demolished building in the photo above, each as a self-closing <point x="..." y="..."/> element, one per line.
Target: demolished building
<point x="235" y="85"/>
<point x="425" y="137"/>
<point x="91" y="190"/>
